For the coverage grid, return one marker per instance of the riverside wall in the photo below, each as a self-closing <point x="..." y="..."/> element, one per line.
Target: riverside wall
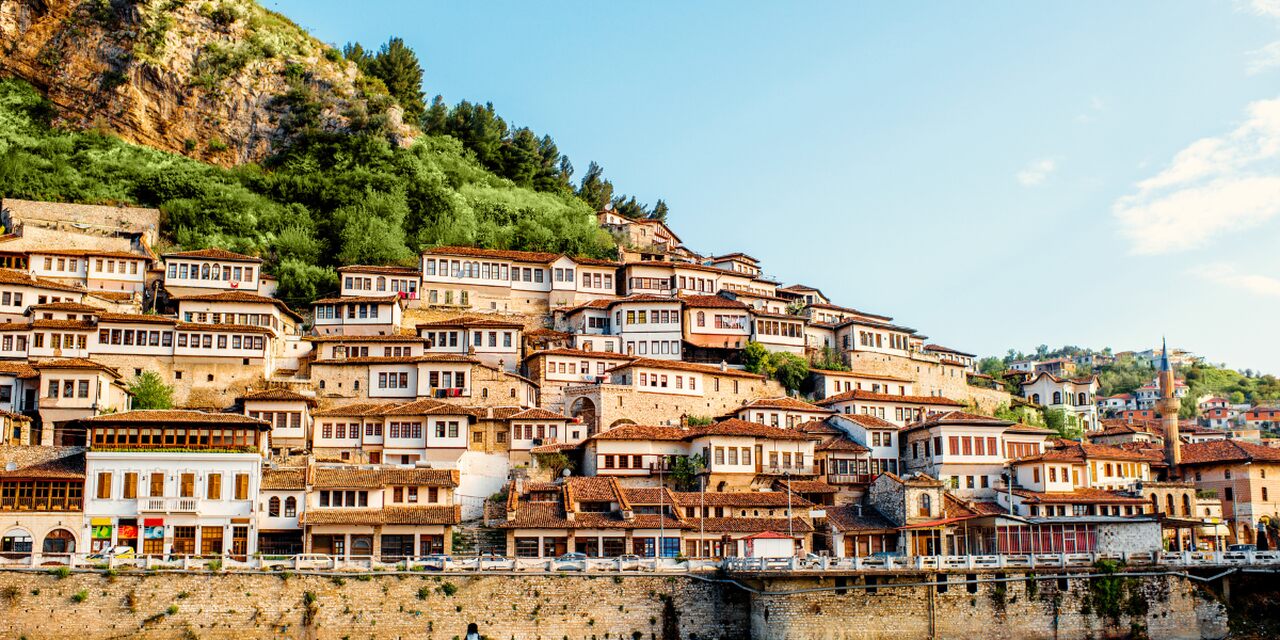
<point x="244" y="606"/>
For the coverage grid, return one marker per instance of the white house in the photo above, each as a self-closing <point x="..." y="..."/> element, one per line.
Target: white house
<point x="186" y="272"/>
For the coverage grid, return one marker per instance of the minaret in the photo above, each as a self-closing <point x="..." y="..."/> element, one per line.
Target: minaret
<point x="1168" y="406"/>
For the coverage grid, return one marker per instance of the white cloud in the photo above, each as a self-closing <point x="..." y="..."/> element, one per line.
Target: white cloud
<point x="1037" y="172"/>
<point x="1268" y="8"/>
<point x="1263" y="59"/>
<point x="1228" y="276"/>
<point x="1213" y="186"/>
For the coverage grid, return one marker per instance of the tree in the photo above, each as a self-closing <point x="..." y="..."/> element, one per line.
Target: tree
<point x="150" y="392"/>
<point x="789" y="369"/>
<point x="685" y="470"/>
<point x="828" y="359"/>
<point x="398" y="68"/>
<point x="555" y="462"/>
<point x="660" y="210"/>
<point x="1064" y="424"/>
<point x="755" y="358"/>
<point x="594" y="188"/>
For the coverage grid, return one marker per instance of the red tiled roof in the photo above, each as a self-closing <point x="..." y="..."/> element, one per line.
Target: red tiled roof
<point x="32" y="461"/>
<point x="424" y="515"/>
<point x="177" y="417"/>
<point x="736" y="427"/>
<point x="384" y="269"/>
<point x="73" y="363"/>
<point x="357" y="478"/>
<point x="857" y="518"/>
<point x="1081" y="495"/>
<point x="747" y="499"/>
<point x="642" y="432"/>
<point x="711" y="302"/>
<point x="472" y="321"/>
<point x="868" y="421"/>
<point x="537" y="414"/>
<point x="504" y="254"/>
<point x="277" y="394"/>
<point x="578" y="353"/>
<point x="859" y="394"/>
<point x="784" y="402"/>
<point x="680" y="365"/>
<point x="1221" y="451"/>
<point x="10" y="276"/>
<point x="391" y="299"/>
<point x="213" y="254"/>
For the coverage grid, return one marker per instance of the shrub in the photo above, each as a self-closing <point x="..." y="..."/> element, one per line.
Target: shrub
<point x="80" y="596"/>
<point x="60" y="572"/>
<point x="172" y="610"/>
<point x="448" y="588"/>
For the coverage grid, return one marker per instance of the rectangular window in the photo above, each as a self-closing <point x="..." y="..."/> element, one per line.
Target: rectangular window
<point x="157" y="485"/>
<point x="104" y="485"/>
<point x="213" y="486"/>
<point x="242" y="486"/>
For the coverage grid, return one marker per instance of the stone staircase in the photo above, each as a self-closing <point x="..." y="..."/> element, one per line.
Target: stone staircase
<point x="473" y="538"/>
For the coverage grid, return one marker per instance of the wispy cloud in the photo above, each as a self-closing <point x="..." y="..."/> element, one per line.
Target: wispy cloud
<point x="1213" y="186"/>
<point x="1037" y="172"/>
<point x="1263" y="59"/>
<point x="1228" y="276"/>
<point x="1268" y="8"/>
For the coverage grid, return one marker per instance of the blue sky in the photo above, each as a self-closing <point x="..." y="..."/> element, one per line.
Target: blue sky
<point x="994" y="174"/>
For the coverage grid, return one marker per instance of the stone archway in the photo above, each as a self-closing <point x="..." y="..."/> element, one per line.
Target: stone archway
<point x="584" y="409"/>
<point x="59" y="541"/>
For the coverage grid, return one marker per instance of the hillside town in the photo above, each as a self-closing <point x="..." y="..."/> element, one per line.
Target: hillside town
<point x="520" y="404"/>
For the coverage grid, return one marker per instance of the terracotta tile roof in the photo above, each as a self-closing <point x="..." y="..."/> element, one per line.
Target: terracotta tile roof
<point x="593" y="489"/>
<point x="176" y="417"/>
<point x="10" y="276"/>
<point x="104" y="253"/>
<point x="649" y="495"/>
<point x="140" y="318"/>
<point x="222" y="328"/>
<point x="77" y="325"/>
<point x="712" y="302"/>
<point x="41" y="462"/>
<point x="841" y="443"/>
<point x="858" y="394"/>
<point x="818" y="428"/>
<point x="805" y="486"/>
<point x="578" y="353"/>
<point x="855" y="518"/>
<point x="472" y="321"/>
<point x="24" y="325"/>
<point x="543" y="332"/>
<point x="747" y="499"/>
<point x="402" y="337"/>
<point x="537" y="414"/>
<point x="113" y="296"/>
<point x="643" y="297"/>
<point x="213" y="254"/>
<point x="372" y="478"/>
<point x="598" y="304"/>
<point x="504" y="254"/>
<point x="595" y="262"/>
<point x="291" y="479"/>
<point x="421" y="407"/>
<point x="642" y="432"/>
<point x="1220" y="451"/>
<point x="1082" y="495"/>
<point x="960" y="418"/>
<point x="868" y="421"/>
<point x="391" y="299"/>
<point x="278" y="394"/>
<point x="736" y="427"/>
<point x="786" y="403"/>
<point x="941" y="349"/>
<point x="855" y="374"/>
<point x="241" y="296"/>
<point x="751" y="525"/>
<point x="19" y="369"/>
<point x="679" y="365"/>
<point x="352" y="409"/>
<point x="73" y="363"/>
<point x="77" y="307"/>
<point x="554" y="447"/>
<point x="443" y="515"/>
<point x="384" y="269"/>
<point x="426" y="357"/>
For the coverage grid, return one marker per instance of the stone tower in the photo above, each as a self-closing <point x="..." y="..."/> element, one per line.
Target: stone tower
<point x="1168" y="406"/>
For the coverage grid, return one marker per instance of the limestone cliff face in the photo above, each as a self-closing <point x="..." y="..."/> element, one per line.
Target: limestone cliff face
<point x="204" y="78"/>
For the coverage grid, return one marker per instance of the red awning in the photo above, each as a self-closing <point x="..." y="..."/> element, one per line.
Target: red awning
<point x="153" y="522"/>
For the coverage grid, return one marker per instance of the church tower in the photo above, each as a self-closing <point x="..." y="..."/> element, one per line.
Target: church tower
<point x="1168" y="406"/>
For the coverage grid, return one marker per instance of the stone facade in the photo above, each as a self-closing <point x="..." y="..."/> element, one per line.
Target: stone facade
<point x="931" y="377"/>
<point x="583" y="607"/>
<point x="622" y="404"/>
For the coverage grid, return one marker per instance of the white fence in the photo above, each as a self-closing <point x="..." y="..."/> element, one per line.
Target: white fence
<point x="632" y="564"/>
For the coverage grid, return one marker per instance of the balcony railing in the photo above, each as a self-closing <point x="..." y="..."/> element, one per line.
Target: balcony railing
<point x="168" y="505"/>
<point x="782" y="470"/>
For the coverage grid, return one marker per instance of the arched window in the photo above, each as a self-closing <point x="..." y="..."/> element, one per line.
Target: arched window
<point x="1035" y="397"/>
<point x="1057" y="397"/>
<point x="702" y="318"/>
<point x="1186" y="502"/>
<point x="204" y="272"/>
<point x="273" y="507"/>
<point x="59" y="541"/>
<point x="16" y="543"/>
<point x="925" y="505"/>
<point x="361" y="546"/>
<point x="1082" y="399"/>
<point x="1155" y="504"/>
<point x="217" y="271"/>
<point x="290" y="507"/>
<point x="1168" y="503"/>
<point x="382" y="283"/>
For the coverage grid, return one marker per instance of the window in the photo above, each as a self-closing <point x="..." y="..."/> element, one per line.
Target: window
<point x="213" y="486"/>
<point x="290" y="507"/>
<point x="157" y="485"/>
<point x="242" y="486"/>
<point x="187" y="488"/>
<point x="925" y="503"/>
<point x="104" y="485"/>
<point x="130" y="489"/>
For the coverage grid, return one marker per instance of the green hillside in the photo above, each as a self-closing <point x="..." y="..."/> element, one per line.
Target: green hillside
<point x="326" y="199"/>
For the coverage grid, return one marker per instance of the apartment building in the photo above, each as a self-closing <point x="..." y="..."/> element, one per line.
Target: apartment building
<point x="174" y="482"/>
<point x="370" y="281"/>
<point x="92" y="269"/>
<point x="358" y="315"/>
<point x="389" y="513"/>
<point x="196" y="272"/>
<point x="494" y="342"/>
<point x="1077" y="397"/>
<point x="968" y="452"/>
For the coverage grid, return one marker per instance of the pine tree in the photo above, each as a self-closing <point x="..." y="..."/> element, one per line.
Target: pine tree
<point x="659" y="210"/>
<point x="398" y="68"/>
<point x="594" y="189"/>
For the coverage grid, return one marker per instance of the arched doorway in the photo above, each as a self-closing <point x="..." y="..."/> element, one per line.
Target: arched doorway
<point x="585" y="411"/>
<point x="15" y="544"/>
<point x="59" y="541"/>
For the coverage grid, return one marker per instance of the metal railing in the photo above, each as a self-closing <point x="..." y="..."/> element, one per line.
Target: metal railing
<point x="168" y="505"/>
<point x="809" y="564"/>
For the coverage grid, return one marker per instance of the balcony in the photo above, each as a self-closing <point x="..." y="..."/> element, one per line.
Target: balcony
<point x="168" y="505"/>
<point x="794" y="470"/>
<point x="848" y="478"/>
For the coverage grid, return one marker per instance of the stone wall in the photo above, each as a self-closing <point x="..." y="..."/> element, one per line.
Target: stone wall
<point x="931" y="377"/>
<point x="620" y="404"/>
<point x="39" y="606"/>
<point x="243" y="606"/>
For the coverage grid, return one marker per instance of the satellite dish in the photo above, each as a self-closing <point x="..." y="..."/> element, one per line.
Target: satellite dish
<point x="565" y="473"/>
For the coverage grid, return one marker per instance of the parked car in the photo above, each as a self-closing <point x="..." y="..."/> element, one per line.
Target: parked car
<point x="437" y="562"/>
<point x="1242" y="547"/>
<point x="121" y="551"/>
<point x="571" y="562"/>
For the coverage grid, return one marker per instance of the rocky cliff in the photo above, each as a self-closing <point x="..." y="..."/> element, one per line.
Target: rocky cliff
<point x="210" y="79"/>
